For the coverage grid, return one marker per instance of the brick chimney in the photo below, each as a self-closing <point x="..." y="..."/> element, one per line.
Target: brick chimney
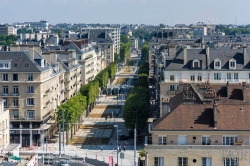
<point x="228" y="90"/>
<point x="208" y="56"/>
<point x="215" y="114"/>
<point x="244" y="91"/>
<point x="245" y="55"/>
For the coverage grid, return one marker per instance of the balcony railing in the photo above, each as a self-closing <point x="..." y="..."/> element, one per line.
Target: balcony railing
<point x="154" y="146"/>
<point x="9" y="94"/>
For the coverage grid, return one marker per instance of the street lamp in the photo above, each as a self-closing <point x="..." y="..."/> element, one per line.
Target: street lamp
<point x="116" y="126"/>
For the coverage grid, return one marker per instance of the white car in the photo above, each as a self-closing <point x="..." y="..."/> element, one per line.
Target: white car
<point x="63" y="163"/>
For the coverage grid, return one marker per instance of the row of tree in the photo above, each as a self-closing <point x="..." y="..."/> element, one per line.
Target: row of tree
<point x="232" y="31"/>
<point x="137" y="105"/>
<point x="7" y="39"/>
<point x="144" y="51"/>
<point x="124" y="49"/>
<point x="87" y="96"/>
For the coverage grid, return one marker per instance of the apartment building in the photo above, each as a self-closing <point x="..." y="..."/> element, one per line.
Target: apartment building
<point x="4" y="126"/>
<point x="31" y="90"/>
<point x="41" y="25"/>
<point x="6" y="30"/>
<point x="112" y="33"/>
<point x="71" y="81"/>
<point x="205" y="125"/>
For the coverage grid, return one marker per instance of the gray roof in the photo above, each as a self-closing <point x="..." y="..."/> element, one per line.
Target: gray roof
<point x="51" y="40"/>
<point x="98" y="35"/>
<point x="21" y="58"/>
<point x="72" y="45"/>
<point x="224" y="54"/>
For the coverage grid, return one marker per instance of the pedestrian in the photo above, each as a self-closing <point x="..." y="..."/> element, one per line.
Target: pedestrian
<point x="101" y="148"/>
<point x="120" y="148"/>
<point x="124" y="147"/>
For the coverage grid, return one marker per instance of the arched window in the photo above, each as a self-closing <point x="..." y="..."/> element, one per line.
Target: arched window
<point x="196" y="63"/>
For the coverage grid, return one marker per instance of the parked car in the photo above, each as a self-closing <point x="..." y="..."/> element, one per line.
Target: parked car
<point x="63" y="163"/>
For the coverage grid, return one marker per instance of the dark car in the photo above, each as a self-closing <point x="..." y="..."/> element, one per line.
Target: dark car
<point x="123" y="137"/>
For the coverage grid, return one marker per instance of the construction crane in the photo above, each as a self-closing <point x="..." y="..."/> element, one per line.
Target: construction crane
<point x="209" y="25"/>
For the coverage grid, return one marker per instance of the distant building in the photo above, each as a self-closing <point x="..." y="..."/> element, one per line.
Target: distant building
<point x="42" y="25"/>
<point x="6" y="30"/>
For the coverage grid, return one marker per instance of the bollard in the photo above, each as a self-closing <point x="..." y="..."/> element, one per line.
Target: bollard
<point x="96" y="156"/>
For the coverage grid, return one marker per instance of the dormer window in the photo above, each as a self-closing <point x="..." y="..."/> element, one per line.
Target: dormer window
<point x="232" y="64"/>
<point x="217" y="64"/>
<point x="196" y="63"/>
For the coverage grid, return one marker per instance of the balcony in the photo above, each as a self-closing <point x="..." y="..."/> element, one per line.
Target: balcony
<point x="172" y="92"/>
<point x="4" y="94"/>
<point x="202" y="147"/>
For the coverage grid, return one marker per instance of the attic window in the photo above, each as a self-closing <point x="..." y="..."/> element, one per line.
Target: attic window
<point x="196" y="63"/>
<point x="27" y="65"/>
<point x="217" y="64"/>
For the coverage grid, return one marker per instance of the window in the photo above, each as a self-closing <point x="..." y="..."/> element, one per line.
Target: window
<point x="182" y="161"/>
<point x="205" y="140"/>
<point x="199" y="78"/>
<point x="171" y="77"/>
<point x="182" y="140"/>
<point x="15" y="64"/>
<point x="217" y="64"/>
<point x="5" y="90"/>
<point x="162" y="140"/>
<point x="230" y="162"/>
<point x="192" y="78"/>
<point x="27" y="65"/>
<point x="229" y="140"/>
<point x="15" y="77"/>
<point x="4" y="65"/>
<point x="5" y="77"/>
<point x="248" y="75"/>
<point x="29" y="89"/>
<point x="206" y="161"/>
<point x="217" y="76"/>
<point x="171" y="87"/>
<point x="159" y="161"/>
<point x="5" y="103"/>
<point x="15" y="90"/>
<point x="30" y="114"/>
<point x="196" y="64"/>
<point x="30" y="101"/>
<point x="229" y="76"/>
<point x="236" y="76"/>
<point x="232" y="64"/>
<point x="15" y="114"/>
<point x="15" y="102"/>
<point x="29" y="77"/>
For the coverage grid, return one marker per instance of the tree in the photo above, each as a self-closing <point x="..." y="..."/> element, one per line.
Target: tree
<point x="9" y="42"/>
<point x="144" y="52"/>
<point x="59" y="32"/>
<point x="124" y="39"/>
<point x="3" y="37"/>
<point x="117" y="57"/>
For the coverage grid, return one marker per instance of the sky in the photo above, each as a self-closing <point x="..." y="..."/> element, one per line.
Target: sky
<point x="153" y="12"/>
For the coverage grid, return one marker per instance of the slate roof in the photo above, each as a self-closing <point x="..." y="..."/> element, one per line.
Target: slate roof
<point x="97" y="35"/>
<point x="21" y="58"/>
<point x="72" y="45"/>
<point x="51" y="40"/>
<point x="224" y="54"/>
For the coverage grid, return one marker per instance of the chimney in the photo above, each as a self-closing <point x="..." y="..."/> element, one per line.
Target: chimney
<point x="244" y="91"/>
<point x="31" y="51"/>
<point x="228" y="90"/>
<point x="215" y="114"/>
<point x="207" y="57"/>
<point x="185" y="56"/>
<point x="202" y="42"/>
<point x="245" y="55"/>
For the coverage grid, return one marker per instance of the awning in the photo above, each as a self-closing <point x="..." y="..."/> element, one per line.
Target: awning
<point x="15" y="158"/>
<point x="51" y="122"/>
<point x="45" y="127"/>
